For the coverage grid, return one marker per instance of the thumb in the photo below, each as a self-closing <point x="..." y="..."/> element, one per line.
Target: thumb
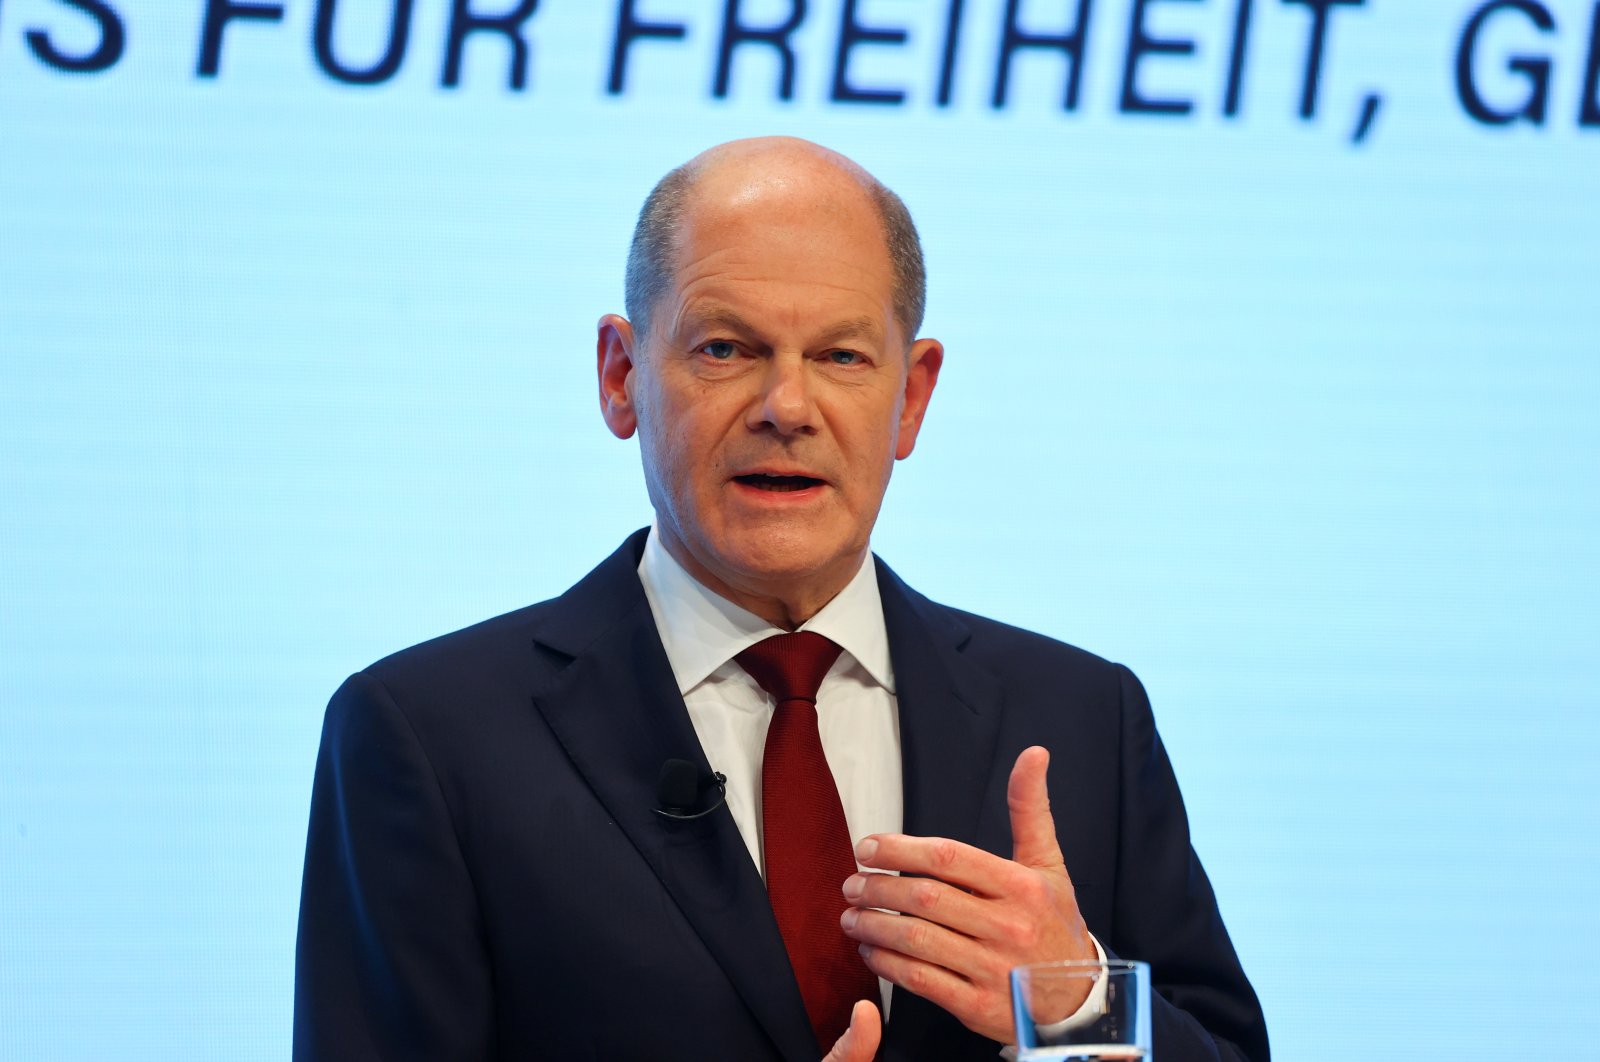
<point x="1033" y="828"/>
<point x="859" y="1042"/>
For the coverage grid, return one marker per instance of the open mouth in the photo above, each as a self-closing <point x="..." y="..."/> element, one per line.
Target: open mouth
<point x="778" y="484"/>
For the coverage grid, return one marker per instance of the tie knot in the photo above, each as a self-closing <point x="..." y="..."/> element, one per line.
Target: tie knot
<point x="790" y="666"/>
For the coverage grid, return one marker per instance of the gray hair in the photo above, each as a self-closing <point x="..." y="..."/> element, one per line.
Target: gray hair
<point x="651" y="254"/>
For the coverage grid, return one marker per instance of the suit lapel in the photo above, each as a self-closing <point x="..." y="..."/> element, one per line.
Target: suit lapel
<point x="949" y="715"/>
<point x="949" y="709"/>
<point x="616" y="710"/>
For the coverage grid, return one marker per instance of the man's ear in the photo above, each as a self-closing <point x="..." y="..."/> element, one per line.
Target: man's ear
<point x="922" y="373"/>
<point x="614" y="357"/>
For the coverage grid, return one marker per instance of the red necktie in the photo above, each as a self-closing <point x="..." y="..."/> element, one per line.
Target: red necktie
<point x="807" y="843"/>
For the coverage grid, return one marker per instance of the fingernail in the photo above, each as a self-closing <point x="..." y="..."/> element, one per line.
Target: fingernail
<point x="854" y="886"/>
<point x="866" y="849"/>
<point x="849" y="918"/>
<point x="865" y="951"/>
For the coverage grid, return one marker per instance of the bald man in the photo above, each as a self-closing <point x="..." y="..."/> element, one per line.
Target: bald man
<point x="496" y="868"/>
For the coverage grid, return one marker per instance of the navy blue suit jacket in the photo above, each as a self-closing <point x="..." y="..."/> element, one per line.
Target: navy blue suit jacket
<point x="486" y="877"/>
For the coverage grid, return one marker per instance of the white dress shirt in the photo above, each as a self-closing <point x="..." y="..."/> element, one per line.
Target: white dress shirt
<point x="857" y="715"/>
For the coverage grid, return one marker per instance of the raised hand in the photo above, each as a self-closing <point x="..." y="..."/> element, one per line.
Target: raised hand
<point x="860" y="1041"/>
<point x="968" y="916"/>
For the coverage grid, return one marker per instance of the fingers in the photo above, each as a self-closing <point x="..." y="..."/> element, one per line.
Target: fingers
<point x="919" y="939"/>
<point x="1033" y="838"/>
<point x="948" y="968"/>
<point x="860" y="1041"/>
<point x="941" y="858"/>
<point x="1033" y="828"/>
<point x="932" y="901"/>
<point x="978" y="1007"/>
<point x="975" y="938"/>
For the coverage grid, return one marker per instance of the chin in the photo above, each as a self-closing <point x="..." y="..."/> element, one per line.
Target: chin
<point x="784" y="555"/>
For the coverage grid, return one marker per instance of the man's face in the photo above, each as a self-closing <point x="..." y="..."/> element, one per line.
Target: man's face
<point x="774" y="391"/>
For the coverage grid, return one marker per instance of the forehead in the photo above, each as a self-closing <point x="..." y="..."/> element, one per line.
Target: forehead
<point x="784" y="247"/>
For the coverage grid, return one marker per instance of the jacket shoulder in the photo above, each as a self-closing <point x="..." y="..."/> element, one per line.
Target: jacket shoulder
<point x="468" y="649"/>
<point x="547" y="633"/>
<point x="1016" y="655"/>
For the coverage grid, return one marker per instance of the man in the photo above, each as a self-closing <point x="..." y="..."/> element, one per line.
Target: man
<point x="492" y="870"/>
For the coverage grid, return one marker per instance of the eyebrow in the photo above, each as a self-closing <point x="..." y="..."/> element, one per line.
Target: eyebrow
<point x="862" y="327"/>
<point x="718" y="317"/>
<point x="854" y="328"/>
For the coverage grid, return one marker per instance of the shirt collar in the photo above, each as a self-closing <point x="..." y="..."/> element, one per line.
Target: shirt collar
<point x="702" y="631"/>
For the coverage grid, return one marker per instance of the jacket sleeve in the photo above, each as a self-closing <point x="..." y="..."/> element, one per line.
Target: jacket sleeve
<point x="1204" y="1008"/>
<point x="391" y="961"/>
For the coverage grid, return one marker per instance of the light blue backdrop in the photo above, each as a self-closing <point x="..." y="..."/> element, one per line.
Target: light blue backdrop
<point x="294" y="373"/>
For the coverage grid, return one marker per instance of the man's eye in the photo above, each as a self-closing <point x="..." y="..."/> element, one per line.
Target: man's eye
<point x="719" y="350"/>
<point x="844" y="357"/>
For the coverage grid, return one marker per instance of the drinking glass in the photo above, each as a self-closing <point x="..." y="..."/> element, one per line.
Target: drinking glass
<point x="1082" y="1011"/>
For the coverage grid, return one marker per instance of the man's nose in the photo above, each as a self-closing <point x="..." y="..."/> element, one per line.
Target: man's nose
<point x="787" y="402"/>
